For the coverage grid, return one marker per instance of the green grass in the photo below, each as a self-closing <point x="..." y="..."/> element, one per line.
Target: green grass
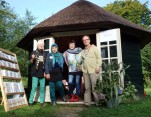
<point x="32" y="111"/>
<point x="135" y="109"/>
<point x="140" y="108"/>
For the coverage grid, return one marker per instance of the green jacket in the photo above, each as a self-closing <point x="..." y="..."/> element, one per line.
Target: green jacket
<point x="91" y="59"/>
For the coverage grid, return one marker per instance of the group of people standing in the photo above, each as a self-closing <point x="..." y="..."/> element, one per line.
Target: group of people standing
<point x="86" y="63"/>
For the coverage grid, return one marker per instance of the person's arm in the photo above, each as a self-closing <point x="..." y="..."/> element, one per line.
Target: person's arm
<point x="47" y="74"/>
<point x="98" y="60"/>
<point x="32" y="57"/>
<point x="80" y="58"/>
<point x="62" y="63"/>
<point x="65" y="58"/>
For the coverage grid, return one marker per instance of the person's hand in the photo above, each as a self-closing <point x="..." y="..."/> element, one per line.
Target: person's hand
<point x="97" y="70"/>
<point x="44" y="75"/>
<point x="47" y="76"/>
<point x="33" y="56"/>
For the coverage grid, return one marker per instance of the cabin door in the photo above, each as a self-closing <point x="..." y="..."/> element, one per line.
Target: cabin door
<point x="109" y="44"/>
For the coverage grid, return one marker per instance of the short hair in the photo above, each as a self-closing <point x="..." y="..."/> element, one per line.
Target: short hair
<point x="72" y="41"/>
<point x="40" y="42"/>
<point x="86" y="36"/>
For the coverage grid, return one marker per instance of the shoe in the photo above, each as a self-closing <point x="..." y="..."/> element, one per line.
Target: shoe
<point x="64" y="99"/>
<point x="42" y="105"/>
<point x="87" y="105"/>
<point x="72" y="98"/>
<point x="54" y="103"/>
<point x="76" y="98"/>
<point x="30" y="104"/>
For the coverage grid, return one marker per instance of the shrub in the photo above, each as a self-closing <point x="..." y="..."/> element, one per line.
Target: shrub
<point x="110" y="88"/>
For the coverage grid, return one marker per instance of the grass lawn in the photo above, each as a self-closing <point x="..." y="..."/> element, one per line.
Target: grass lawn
<point x="135" y="109"/>
<point x="32" y="111"/>
<point x="141" y="108"/>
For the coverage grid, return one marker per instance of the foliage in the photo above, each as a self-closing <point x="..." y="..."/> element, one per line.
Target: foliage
<point x="146" y="61"/>
<point x="129" y="92"/>
<point x="12" y="30"/>
<point x="111" y="83"/>
<point x="132" y="10"/>
<point x="25" y="82"/>
<point x="147" y="82"/>
<point x="148" y="91"/>
<point x="140" y="14"/>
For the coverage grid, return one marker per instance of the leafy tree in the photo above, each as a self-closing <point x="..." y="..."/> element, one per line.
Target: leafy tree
<point x="12" y="30"/>
<point x="132" y="10"/>
<point x="140" y="14"/>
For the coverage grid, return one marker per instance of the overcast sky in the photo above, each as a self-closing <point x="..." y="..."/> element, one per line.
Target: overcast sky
<point x="43" y="9"/>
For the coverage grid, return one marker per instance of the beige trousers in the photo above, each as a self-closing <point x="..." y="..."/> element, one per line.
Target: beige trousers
<point x="90" y="82"/>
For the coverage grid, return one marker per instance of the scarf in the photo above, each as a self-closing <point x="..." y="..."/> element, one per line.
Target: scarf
<point x="75" y="50"/>
<point x="57" y="57"/>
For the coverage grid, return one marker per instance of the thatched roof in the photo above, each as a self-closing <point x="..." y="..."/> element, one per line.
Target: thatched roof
<point x="83" y="15"/>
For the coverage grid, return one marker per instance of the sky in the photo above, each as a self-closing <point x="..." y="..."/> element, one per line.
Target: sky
<point x="43" y="9"/>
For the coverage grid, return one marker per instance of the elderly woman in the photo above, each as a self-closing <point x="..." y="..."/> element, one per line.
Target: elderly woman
<point x="53" y="71"/>
<point x="37" y="60"/>
<point x="73" y="60"/>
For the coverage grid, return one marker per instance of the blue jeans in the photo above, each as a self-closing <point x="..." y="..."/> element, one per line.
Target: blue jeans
<point x="60" y="87"/>
<point x="71" y="84"/>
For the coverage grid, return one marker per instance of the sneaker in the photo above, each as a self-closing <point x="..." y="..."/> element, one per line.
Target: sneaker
<point x="76" y="98"/>
<point x="54" y="103"/>
<point x="42" y="105"/>
<point x="64" y="99"/>
<point x="72" y="98"/>
<point x="30" y="104"/>
<point x="86" y="105"/>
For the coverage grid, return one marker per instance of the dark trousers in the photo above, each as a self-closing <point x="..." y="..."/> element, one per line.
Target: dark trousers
<point x="53" y="86"/>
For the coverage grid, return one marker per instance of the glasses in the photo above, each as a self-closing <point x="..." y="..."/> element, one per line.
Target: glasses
<point x="86" y="39"/>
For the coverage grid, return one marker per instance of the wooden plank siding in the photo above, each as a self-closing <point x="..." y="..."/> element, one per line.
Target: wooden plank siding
<point x="131" y="56"/>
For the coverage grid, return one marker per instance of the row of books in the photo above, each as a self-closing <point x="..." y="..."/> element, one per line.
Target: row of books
<point x="8" y="64"/>
<point x="7" y="56"/>
<point x="16" y="101"/>
<point x="8" y="73"/>
<point x="13" y="87"/>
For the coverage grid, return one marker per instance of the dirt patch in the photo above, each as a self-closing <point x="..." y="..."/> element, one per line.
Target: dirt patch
<point x="68" y="111"/>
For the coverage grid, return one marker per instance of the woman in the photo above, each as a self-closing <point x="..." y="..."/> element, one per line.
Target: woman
<point x="37" y="60"/>
<point x="73" y="60"/>
<point x="53" y="71"/>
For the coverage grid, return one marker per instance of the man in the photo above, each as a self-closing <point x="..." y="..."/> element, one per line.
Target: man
<point x="91" y="59"/>
<point x="37" y="60"/>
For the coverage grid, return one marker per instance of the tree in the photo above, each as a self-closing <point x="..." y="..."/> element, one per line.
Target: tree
<point x="12" y="30"/>
<point x="132" y="10"/>
<point x="140" y="14"/>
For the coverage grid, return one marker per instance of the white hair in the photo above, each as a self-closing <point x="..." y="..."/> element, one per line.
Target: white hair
<point x="40" y="42"/>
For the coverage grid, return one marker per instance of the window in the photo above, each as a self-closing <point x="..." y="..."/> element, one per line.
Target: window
<point x="47" y="41"/>
<point x="109" y="43"/>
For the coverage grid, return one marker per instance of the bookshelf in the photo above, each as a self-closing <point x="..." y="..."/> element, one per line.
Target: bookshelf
<point x="11" y="85"/>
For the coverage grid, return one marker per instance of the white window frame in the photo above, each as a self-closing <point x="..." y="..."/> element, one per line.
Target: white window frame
<point x="111" y="35"/>
<point x="51" y="41"/>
